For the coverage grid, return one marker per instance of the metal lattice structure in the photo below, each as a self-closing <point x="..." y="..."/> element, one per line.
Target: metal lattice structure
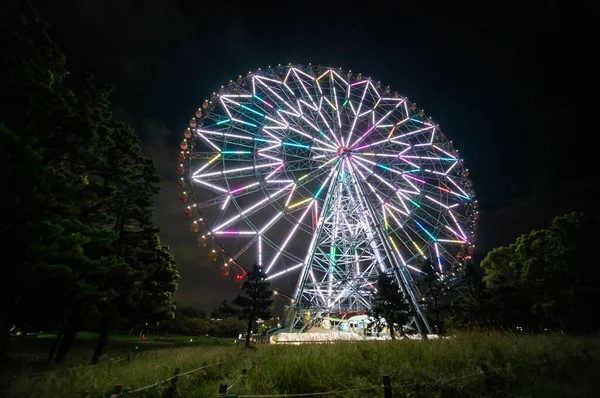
<point x="327" y="177"/>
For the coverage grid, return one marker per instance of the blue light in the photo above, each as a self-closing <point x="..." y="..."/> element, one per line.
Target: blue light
<point x="427" y="232"/>
<point x="296" y="145"/>
<point x="249" y="124"/>
<point x="224" y="121"/>
<point x="319" y="192"/>
<point x="252" y="110"/>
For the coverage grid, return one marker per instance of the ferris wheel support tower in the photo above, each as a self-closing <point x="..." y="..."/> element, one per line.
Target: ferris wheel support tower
<point x="347" y="253"/>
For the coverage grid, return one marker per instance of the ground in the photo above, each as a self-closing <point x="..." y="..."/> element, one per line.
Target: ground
<point x="515" y="365"/>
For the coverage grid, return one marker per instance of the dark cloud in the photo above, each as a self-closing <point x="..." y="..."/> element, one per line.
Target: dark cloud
<point x="535" y="210"/>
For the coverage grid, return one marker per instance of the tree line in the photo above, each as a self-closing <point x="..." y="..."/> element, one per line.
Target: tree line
<point x="547" y="281"/>
<point x="80" y="247"/>
<point x="249" y="311"/>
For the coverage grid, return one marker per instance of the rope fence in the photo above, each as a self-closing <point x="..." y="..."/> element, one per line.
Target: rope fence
<point x="387" y="386"/>
<point x="485" y="373"/>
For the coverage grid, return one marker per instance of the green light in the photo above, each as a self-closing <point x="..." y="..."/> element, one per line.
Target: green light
<point x="414" y="203"/>
<point x="236" y="152"/>
<point x="252" y="110"/>
<point x="296" y="145"/>
<point x="345" y="102"/>
<point x="223" y="121"/>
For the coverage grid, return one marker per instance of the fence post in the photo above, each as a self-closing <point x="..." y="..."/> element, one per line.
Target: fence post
<point x="487" y="379"/>
<point x="387" y="387"/>
<point x="117" y="391"/>
<point x="175" y="377"/>
<point x="222" y="391"/>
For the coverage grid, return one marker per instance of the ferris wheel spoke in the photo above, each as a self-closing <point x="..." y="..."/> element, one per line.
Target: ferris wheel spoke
<point x="377" y="123"/>
<point x="253" y="208"/>
<point x="287" y="239"/>
<point x="395" y="190"/>
<point x="346" y="142"/>
<point x="238" y="172"/>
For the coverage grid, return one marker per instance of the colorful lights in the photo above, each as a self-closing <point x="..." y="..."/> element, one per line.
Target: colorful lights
<point x="427" y="232"/>
<point x="252" y="110"/>
<point x="296" y="145"/>
<point x="236" y="152"/>
<point x="299" y="203"/>
<point x="279" y="144"/>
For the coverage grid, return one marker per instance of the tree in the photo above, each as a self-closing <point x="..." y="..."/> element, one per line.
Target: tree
<point x="257" y="298"/>
<point x="224" y="310"/>
<point x="80" y="213"/>
<point x="431" y="280"/>
<point x="148" y="274"/>
<point x="45" y="145"/>
<point x="470" y="306"/>
<point x="390" y="306"/>
<point x="547" y="278"/>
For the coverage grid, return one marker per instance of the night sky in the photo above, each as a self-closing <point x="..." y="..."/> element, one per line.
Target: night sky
<point x="511" y="84"/>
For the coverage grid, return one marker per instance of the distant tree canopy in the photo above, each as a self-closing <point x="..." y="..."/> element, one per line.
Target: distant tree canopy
<point x="547" y="279"/>
<point x="76" y="223"/>
<point x="188" y="320"/>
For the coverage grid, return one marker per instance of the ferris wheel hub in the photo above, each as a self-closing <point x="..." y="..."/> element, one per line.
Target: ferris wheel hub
<point x="343" y="151"/>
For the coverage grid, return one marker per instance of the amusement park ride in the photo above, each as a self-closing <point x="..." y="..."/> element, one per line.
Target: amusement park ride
<point x="330" y="178"/>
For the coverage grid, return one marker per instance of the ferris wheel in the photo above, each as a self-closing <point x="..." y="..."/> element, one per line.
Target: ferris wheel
<point x="327" y="178"/>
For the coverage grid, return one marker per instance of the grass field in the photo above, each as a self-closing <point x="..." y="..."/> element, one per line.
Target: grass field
<point x="519" y="365"/>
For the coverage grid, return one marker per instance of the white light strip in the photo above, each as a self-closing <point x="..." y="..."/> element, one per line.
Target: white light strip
<point x="285" y="271"/>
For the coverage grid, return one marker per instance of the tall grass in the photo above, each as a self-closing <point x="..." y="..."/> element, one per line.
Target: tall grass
<point x="520" y="365"/>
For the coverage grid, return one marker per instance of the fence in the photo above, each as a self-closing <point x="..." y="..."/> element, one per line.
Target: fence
<point x="484" y="373"/>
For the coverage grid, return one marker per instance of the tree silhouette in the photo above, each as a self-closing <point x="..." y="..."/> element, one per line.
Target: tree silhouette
<point x="431" y="280"/>
<point x="256" y="300"/>
<point x="389" y="306"/>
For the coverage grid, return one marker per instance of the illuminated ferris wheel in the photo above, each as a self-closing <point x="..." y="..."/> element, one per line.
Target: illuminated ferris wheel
<point x="329" y="178"/>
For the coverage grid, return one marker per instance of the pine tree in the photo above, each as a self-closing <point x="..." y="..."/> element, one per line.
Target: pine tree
<point x="46" y="143"/>
<point x="257" y="298"/>
<point x="135" y="180"/>
<point x="431" y="283"/>
<point x="389" y="306"/>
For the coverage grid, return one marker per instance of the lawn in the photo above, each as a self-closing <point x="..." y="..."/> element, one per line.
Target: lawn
<point x="518" y="366"/>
